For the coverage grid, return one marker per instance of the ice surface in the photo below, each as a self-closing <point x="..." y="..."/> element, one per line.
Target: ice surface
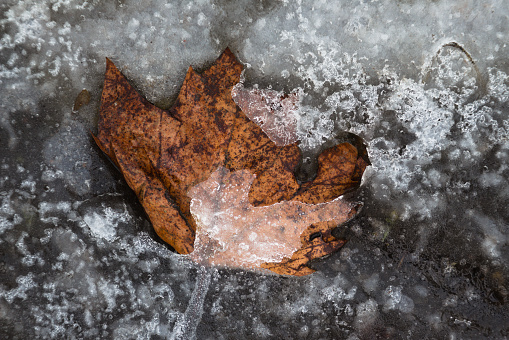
<point x="394" y="299"/>
<point x="67" y="152"/>
<point x="104" y="225"/>
<point x="366" y="314"/>
<point x="425" y="84"/>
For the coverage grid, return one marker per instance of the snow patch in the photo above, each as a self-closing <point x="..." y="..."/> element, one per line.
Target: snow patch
<point x="104" y="224"/>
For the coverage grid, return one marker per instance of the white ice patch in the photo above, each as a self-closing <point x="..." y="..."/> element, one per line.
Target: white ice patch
<point x="370" y="284"/>
<point x="333" y="293"/>
<point x="109" y="291"/>
<point x="48" y="210"/>
<point x="273" y="111"/>
<point x="104" y="224"/>
<point x="25" y="283"/>
<point x="494" y="237"/>
<point x="261" y="331"/>
<point x="366" y="314"/>
<point x="8" y="216"/>
<point x="395" y="299"/>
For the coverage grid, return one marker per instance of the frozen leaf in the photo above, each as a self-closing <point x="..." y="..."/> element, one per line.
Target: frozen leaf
<point x="83" y="98"/>
<point x="169" y="157"/>
<point x="232" y="232"/>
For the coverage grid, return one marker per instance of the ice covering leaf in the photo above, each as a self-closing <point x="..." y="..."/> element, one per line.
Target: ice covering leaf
<point x="234" y="233"/>
<point x="274" y="112"/>
<point x="172" y="159"/>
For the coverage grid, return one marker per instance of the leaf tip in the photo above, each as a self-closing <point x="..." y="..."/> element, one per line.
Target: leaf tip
<point x="228" y="52"/>
<point x="111" y="70"/>
<point x="109" y="63"/>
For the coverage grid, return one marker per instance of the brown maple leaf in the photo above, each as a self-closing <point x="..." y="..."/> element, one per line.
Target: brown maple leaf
<point x="171" y="157"/>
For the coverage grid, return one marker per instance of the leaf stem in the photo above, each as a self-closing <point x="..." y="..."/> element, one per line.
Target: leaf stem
<point x="186" y="325"/>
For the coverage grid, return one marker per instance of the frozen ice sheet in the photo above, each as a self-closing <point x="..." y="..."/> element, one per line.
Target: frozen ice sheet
<point x="425" y="84"/>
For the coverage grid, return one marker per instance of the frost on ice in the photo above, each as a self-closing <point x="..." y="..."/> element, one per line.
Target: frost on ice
<point x="232" y="232"/>
<point x="104" y="225"/>
<point x="273" y="111"/>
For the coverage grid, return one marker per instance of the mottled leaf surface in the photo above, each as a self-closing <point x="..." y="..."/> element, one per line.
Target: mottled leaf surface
<point x="170" y="157"/>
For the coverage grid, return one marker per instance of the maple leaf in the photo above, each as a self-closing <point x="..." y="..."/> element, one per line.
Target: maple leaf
<point x="172" y="159"/>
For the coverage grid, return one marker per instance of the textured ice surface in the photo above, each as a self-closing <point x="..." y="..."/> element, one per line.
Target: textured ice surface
<point x="67" y="152"/>
<point x="425" y="83"/>
<point x="274" y="111"/>
<point x="103" y="225"/>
